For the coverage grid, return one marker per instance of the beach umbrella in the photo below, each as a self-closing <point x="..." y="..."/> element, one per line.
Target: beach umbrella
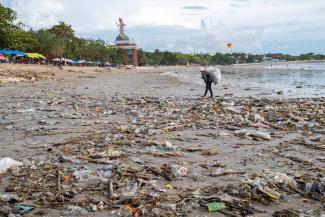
<point x="18" y="53"/>
<point x="68" y="60"/>
<point x="6" y="52"/>
<point x="79" y="61"/>
<point x="3" y="58"/>
<point x="12" y="52"/>
<point x="35" y="56"/>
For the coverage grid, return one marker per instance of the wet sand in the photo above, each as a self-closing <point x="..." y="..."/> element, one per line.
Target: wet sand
<point x="78" y="111"/>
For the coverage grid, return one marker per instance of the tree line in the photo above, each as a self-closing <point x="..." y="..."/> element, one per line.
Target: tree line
<point x="61" y="41"/>
<point x="176" y="58"/>
<point x="58" y="41"/>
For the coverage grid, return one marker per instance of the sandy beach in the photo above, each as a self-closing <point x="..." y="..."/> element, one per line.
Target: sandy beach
<point x="158" y="144"/>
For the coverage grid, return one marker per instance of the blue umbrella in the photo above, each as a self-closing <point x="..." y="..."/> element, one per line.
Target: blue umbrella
<point x="6" y="52"/>
<point x="20" y="53"/>
<point x="12" y="52"/>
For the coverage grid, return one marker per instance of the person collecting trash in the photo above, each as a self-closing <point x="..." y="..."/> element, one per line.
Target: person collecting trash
<point x="210" y="75"/>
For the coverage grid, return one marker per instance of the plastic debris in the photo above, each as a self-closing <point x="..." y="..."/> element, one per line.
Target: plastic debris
<point x="254" y="134"/>
<point x="130" y="189"/>
<point x="179" y="170"/>
<point x="7" y="163"/>
<point x="166" y="156"/>
<point x="23" y="209"/>
<point x="215" y="207"/>
<point x="9" y="198"/>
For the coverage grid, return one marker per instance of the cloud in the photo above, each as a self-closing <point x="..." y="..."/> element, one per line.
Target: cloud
<point x="194" y="8"/>
<point x="234" y="6"/>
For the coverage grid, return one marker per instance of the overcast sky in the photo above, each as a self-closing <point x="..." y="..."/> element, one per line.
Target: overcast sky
<point x="257" y="26"/>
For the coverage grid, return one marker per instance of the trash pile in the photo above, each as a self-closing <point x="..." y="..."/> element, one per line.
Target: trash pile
<point x="18" y="76"/>
<point x="127" y="156"/>
<point x="269" y="186"/>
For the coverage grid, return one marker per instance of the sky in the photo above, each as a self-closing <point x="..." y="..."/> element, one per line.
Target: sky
<point x="252" y="26"/>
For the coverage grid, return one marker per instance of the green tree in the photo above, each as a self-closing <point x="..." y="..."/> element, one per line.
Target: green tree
<point x="78" y="47"/>
<point x="49" y="43"/>
<point x="23" y="40"/>
<point x="7" y="26"/>
<point x="63" y="30"/>
<point x="115" y="55"/>
<point x="143" y="60"/>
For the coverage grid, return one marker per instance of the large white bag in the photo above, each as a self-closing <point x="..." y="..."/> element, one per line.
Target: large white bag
<point x="6" y="163"/>
<point x="215" y="74"/>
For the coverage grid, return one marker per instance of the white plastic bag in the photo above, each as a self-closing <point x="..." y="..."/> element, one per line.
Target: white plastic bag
<point x="215" y="74"/>
<point x="6" y="163"/>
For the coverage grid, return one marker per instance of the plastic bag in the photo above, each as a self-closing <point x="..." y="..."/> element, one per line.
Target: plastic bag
<point x="7" y="163"/>
<point x="215" y="74"/>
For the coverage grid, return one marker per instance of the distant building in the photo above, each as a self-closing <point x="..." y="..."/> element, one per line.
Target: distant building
<point x="131" y="51"/>
<point x="276" y="57"/>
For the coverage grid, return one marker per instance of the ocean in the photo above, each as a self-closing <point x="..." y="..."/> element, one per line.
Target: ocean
<point x="299" y="80"/>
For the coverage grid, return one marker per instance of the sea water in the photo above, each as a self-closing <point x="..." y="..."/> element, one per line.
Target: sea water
<point x="299" y="80"/>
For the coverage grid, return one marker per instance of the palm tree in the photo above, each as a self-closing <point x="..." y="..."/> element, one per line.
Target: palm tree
<point x="65" y="33"/>
<point x="63" y="30"/>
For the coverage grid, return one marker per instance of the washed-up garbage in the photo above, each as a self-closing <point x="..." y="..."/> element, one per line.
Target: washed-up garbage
<point x="75" y="211"/>
<point x="215" y="207"/>
<point x="210" y="164"/>
<point x="253" y="134"/>
<point x="269" y="186"/>
<point x="88" y="178"/>
<point x="23" y="209"/>
<point x="82" y="174"/>
<point x="105" y="172"/>
<point x="109" y="153"/>
<point x="278" y="178"/>
<point x="135" y="212"/>
<point x="134" y="154"/>
<point x="179" y="170"/>
<point x="256" y="118"/>
<point x="272" y="194"/>
<point x="9" y="198"/>
<point x="210" y="152"/>
<point x="286" y="213"/>
<point x="225" y="172"/>
<point x="316" y="190"/>
<point x="7" y="163"/>
<point x="170" y="145"/>
<point x="130" y="189"/>
<point x="69" y="159"/>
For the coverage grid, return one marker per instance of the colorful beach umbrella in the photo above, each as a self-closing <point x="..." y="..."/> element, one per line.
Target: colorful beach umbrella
<point x="79" y="61"/>
<point x="63" y="60"/>
<point x="3" y="58"/>
<point x="35" y="56"/>
<point x="12" y="52"/>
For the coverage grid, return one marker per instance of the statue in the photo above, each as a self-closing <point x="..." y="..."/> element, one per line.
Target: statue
<point x="121" y="27"/>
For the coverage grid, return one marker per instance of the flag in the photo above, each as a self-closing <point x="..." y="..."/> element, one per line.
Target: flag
<point x="229" y="45"/>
